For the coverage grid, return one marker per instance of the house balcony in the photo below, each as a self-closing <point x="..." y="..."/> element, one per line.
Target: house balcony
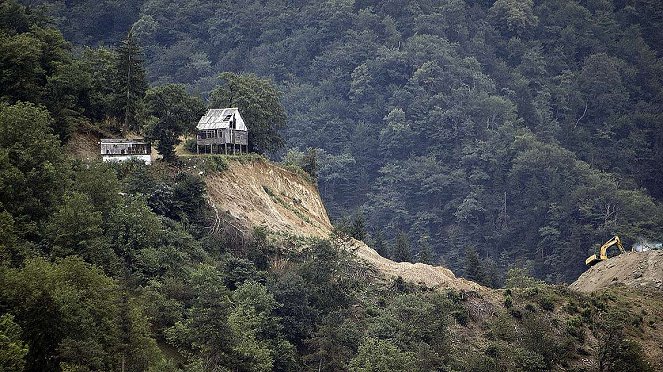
<point x="209" y="141"/>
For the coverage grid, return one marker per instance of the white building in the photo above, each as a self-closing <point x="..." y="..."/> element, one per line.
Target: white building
<point x="120" y="149"/>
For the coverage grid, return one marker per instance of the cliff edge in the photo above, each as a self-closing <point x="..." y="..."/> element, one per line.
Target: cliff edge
<point x="258" y="193"/>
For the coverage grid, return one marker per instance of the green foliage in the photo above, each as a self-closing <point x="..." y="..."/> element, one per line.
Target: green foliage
<point x="401" y="250"/>
<point x="527" y="129"/>
<point x="306" y="161"/>
<point x="75" y="228"/>
<point x="173" y="112"/>
<point x="296" y="312"/>
<point x="131" y="81"/>
<point x="259" y="102"/>
<point x="425" y="253"/>
<point x="333" y="343"/>
<point x="12" y="348"/>
<point x="205" y="333"/>
<point x="473" y="267"/>
<point x="377" y="243"/>
<point x="381" y="355"/>
<point x="69" y="315"/>
<point x="520" y="278"/>
<point x="417" y="324"/>
<point x="255" y="329"/>
<point x="31" y="167"/>
<point x="616" y="352"/>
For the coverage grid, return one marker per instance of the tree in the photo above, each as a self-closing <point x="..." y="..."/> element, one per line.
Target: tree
<point x="205" y="332"/>
<point x="256" y="330"/>
<point x="376" y="355"/>
<point x="425" y="254"/>
<point x="32" y="166"/>
<point x="473" y="267"/>
<point x="70" y="318"/>
<point x="379" y="245"/>
<point x="402" y="251"/>
<point x="513" y="18"/>
<point x="310" y="162"/>
<point x="616" y="352"/>
<point x="12" y="348"/>
<point x="75" y="228"/>
<point x="131" y="82"/>
<point x="358" y="226"/>
<point x="101" y="65"/>
<point x="172" y="112"/>
<point x="259" y="103"/>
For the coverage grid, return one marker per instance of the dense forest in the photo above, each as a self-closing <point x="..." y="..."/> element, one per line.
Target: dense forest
<point x="524" y="132"/>
<point x="503" y="138"/>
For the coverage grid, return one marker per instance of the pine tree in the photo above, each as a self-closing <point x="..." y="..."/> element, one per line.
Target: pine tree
<point x="473" y="269"/>
<point x="131" y="82"/>
<point x="425" y="252"/>
<point x="378" y="244"/>
<point x="402" y="249"/>
<point x="358" y="226"/>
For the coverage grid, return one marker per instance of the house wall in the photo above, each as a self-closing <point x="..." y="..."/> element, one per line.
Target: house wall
<point x="223" y="136"/>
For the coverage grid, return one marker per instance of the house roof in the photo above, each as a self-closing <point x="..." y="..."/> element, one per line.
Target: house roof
<point x="221" y="119"/>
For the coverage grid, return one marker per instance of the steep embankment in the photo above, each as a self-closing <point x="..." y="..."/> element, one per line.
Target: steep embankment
<point x="633" y="269"/>
<point x="258" y="193"/>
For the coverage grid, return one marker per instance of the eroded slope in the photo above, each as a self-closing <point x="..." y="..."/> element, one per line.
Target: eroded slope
<point x="258" y="193"/>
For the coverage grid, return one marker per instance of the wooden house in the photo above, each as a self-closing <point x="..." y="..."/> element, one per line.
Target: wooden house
<point x="121" y="149"/>
<point x="222" y="131"/>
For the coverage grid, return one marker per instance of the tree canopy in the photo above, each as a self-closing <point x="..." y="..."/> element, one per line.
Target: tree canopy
<point x="172" y="113"/>
<point x="259" y="102"/>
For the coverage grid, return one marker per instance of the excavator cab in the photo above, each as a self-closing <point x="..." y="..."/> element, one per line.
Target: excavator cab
<point x="602" y="253"/>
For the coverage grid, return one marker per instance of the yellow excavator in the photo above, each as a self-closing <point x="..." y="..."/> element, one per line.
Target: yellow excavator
<point x="602" y="253"/>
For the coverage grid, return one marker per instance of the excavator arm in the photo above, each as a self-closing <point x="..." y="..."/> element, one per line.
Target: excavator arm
<point x="602" y="253"/>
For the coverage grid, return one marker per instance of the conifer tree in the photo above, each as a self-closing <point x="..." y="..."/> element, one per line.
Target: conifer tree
<point x="131" y="82"/>
<point x="358" y="226"/>
<point x="473" y="269"/>
<point x="378" y="244"/>
<point x="402" y="251"/>
<point x="425" y="254"/>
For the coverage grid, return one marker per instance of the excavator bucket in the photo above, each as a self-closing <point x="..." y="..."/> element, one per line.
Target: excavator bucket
<point x="592" y="260"/>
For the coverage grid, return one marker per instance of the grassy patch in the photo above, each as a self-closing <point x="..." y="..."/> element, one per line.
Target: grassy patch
<point x="298" y="171"/>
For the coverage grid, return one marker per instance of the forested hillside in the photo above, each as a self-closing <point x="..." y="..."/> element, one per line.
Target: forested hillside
<point x="496" y="136"/>
<point x="524" y="131"/>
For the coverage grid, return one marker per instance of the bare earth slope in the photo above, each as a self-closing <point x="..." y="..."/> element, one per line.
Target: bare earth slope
<point x="258" y="193"/>
<point x="634" y="269"/>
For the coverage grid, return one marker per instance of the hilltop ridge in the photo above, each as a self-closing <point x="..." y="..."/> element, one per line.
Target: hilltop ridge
<point x="633" y="269"/>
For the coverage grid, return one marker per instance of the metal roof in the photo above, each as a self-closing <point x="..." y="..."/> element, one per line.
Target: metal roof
<point x="220" y="119"/>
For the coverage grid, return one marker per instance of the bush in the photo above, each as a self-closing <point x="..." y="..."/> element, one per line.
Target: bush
<point x="190" y="145"/>
<point x="547" y="303"/>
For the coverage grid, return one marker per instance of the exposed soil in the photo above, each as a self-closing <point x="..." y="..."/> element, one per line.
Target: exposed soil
<point x="418" y="273"/>
<point x="634" y="269"/>
<point x="83" y="146"/>
<point x="258" y="193"/>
